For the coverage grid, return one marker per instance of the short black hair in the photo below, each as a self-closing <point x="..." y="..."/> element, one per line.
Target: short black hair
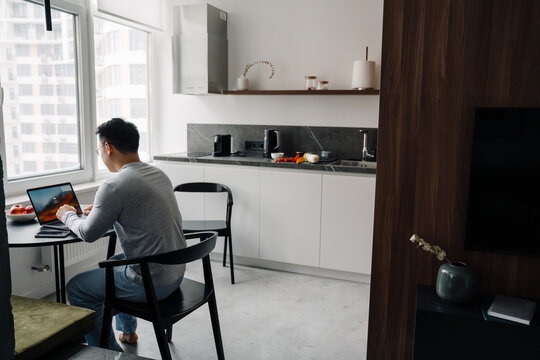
<point x="120" y="133"/>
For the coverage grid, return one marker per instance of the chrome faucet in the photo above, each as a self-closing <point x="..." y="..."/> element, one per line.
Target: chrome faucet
<point x="366" y="156"/>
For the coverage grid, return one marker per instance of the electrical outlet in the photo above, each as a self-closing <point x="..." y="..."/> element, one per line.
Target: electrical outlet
<point x="254" y="145"/>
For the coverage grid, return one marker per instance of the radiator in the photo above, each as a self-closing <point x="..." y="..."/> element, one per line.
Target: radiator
<point x="77" y="256"/>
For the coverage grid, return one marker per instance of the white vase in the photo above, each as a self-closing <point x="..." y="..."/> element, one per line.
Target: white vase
<point x="242" y="83"/>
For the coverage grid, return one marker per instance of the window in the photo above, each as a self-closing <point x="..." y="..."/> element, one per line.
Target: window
<point x="20" y="31"/>
<point x="138" y="108"/>
<point x="48" y="129"/>
<point x="27" y="128"/>
<point x="45" y="70"/>
<point x="28" y="147"/>
<point x="26" y="109"/>
<point x="137" y="41"/>
<point x="65" y="70"/>
<point x="29" y="166"/>
<point x="67" y="129"/>
<point x="35" y="56"/>
<point x="66" y="148"/>
<point x="49" y="148"/>
<point x="115" y="75"/>
<point x="66" y="109"/>
<point x="47" y="109"/>
<point x="25" y="90"/>
<point x="137" y="74"/>
<point x="46" y="90"/>
<point x="24" y="70"/>
<point x="121" y="80"/>
<point x="65" y="90"/>
<point x="22" y="50"/>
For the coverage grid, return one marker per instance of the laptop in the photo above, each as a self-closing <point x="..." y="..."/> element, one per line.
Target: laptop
<point x="46" y="201"/>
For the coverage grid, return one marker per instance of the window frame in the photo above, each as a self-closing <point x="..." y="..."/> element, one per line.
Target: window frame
<point x="83" y="64"/>
<point x="86" y="90"/>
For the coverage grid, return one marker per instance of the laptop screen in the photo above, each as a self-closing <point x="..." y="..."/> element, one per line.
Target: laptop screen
<point x="47" y="200"/>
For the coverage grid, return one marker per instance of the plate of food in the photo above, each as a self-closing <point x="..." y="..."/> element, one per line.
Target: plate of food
<point x="19" y="213"/>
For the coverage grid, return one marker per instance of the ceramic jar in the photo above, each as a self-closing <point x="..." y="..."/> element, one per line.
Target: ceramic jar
<point x="242" y="83"/>
<point x="455" y="283"/>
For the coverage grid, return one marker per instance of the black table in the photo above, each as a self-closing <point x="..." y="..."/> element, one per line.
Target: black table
<point x="22" y="235"/>
<point x="447" y="331"/>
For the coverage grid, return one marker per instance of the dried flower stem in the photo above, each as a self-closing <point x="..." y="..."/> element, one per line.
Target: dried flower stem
<point x="248" y="66"/>
<point x="433" y="249"/>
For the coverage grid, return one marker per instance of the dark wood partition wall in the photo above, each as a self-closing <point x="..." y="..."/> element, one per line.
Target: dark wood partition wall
<point x="440" y="60"/>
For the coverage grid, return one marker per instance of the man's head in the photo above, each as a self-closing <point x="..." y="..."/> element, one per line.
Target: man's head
<point x="118" y="143"/>
<point x="121" y="134"/>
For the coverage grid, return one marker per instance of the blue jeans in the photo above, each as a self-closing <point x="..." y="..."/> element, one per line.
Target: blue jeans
<point x="87" y="290"/>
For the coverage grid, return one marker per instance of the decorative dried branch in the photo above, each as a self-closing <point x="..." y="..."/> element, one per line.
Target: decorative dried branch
<point x="248" y="66"/>
<point x="433" y="249"/>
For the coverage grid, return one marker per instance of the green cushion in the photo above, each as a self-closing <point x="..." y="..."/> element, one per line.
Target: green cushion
<point x="42" y="325"/>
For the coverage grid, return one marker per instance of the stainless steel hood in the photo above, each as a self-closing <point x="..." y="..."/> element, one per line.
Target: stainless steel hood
<point x="200" y="49"/>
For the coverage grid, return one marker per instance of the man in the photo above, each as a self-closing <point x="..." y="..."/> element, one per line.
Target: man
<point x="139" y="203"/>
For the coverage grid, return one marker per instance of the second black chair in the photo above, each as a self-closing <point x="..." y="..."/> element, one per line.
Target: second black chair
<point x="222" y="227"/>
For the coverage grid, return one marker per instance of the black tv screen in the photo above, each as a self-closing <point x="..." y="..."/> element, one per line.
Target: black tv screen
<point x="503" y="210"/>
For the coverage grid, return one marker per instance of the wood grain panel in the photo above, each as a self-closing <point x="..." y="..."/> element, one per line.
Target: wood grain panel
<point x="440" y="60"/>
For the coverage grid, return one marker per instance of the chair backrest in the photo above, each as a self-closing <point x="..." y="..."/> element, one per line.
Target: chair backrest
<point x="206" y="187"/>
<point x="188" y="254"/>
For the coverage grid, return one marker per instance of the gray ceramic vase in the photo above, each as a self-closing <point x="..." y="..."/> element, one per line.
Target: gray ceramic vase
<point x="455" y="283"/>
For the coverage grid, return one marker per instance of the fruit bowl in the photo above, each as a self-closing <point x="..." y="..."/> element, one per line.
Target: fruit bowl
<point x="277" y="155"/>
<point x="20" y="217"/>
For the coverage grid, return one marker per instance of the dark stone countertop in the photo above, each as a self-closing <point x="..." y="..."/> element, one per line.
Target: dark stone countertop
<point x="263" y="162"/>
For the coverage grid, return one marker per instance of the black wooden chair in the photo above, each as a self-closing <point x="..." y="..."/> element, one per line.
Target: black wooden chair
<point x="163" y="314"/>
<point x="222" y="227"/>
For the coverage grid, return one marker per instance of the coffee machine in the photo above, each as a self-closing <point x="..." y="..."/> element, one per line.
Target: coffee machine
<point x="222" y="145"/>
<point x="271" y="142"/>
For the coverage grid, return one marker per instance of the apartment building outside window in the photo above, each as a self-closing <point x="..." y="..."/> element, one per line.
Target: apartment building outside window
<point x="121" y="61"/>
<point x="38" y="61"/>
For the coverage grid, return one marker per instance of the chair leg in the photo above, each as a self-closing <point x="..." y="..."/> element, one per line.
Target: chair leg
<point x="231" y="259"/>
<point x="162" y="341"/>
<point x="212" y="306"/>
<point x="225" y="250"/>
<point x="106" y="326"/>
<point x="169" y="333"/>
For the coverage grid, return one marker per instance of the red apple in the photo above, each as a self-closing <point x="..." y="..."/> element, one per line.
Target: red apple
<point x="17" y="210"/>
<point x="29" y="209"/>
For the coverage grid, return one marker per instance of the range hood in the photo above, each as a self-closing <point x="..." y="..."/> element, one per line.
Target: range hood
<point x="200" y="49"/>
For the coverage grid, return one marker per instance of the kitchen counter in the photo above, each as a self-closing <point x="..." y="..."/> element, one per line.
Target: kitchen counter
<point x="366" y="168"/>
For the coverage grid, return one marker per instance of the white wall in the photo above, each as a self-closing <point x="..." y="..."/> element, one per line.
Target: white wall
<point x="299" y="37"/>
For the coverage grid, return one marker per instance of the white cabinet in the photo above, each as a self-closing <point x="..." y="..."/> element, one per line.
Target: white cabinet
<point x="191" y="205"/>
<point x="347" y="222"/>
<point x="244" y="185"/>
<point x="290" y="217"/>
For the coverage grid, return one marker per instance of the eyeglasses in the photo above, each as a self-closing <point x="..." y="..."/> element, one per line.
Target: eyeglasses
<point x="98" y="153"/>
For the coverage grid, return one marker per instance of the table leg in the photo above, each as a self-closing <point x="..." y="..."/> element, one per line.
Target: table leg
<point x="56" y="273"/>
<point x="112" y="245"/>
<point x="62" y="273"/>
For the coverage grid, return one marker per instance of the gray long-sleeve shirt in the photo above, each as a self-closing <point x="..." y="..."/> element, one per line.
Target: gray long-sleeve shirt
<point x="139" y="203"/>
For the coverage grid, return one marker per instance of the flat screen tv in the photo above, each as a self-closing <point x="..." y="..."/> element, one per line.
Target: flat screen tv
<point x="503" y="210"/>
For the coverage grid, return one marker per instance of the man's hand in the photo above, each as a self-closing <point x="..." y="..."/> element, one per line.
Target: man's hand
<point x="87" y="210"/>
<point x="64" y="209"/>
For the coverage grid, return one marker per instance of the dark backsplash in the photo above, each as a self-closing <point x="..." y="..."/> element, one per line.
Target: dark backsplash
<point x="344" y="142"/>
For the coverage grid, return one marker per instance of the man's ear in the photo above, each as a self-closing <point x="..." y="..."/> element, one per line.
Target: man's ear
<point x="109" y="148"/>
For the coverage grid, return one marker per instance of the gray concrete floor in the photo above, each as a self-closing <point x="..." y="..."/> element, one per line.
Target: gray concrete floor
<point x="270" y="315"/>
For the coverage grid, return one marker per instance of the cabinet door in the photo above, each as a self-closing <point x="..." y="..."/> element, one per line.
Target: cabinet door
<point x="290" y="217"/>
<point x="191" y="205"/>
<point x="244" y="185"/>
<point x="347" y="223"/>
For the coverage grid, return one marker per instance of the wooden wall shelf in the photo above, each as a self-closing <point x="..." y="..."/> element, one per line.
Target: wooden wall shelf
<point x="302" y="92"/>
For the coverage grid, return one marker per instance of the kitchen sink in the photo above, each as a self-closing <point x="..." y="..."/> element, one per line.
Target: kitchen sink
<point x="354" y="163"/>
